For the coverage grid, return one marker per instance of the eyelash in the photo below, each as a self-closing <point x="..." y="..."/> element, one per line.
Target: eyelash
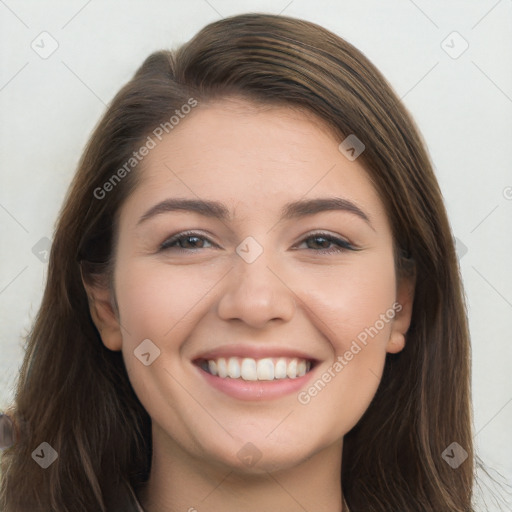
<point x="343" y="245"/>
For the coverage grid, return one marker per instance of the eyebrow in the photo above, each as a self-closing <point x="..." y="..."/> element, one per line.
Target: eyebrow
<point x="293" y="210"/>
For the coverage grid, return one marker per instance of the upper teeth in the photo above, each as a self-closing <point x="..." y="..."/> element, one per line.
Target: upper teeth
<point x="258" y="369"/>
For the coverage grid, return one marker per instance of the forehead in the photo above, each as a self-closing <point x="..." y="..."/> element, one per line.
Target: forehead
<point x="253" y="158"/>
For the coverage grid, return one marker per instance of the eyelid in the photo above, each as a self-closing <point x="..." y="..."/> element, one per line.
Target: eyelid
<point x="184" y="234"/>
<point x="342" y="243"/>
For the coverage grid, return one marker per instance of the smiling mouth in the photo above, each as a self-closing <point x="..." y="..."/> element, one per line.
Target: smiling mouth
<point x="249" y="369"/>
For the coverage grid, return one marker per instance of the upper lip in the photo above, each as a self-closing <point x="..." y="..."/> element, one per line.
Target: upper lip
<point x="252" y="351"/>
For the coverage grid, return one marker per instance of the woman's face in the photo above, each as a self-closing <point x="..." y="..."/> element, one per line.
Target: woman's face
<point x="260" y="290"/>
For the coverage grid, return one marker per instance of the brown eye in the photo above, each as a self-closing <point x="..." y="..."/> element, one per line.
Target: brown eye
<point x="322" y="242"/>
<point x="185" y="241"/>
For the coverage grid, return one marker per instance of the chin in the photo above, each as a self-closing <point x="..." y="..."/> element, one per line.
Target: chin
<point x="262" y="456"/>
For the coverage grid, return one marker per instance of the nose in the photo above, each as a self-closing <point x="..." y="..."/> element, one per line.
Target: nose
<point x="256" y="293"/>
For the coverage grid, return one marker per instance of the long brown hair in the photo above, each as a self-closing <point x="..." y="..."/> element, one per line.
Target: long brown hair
<point x="75" y="394"/>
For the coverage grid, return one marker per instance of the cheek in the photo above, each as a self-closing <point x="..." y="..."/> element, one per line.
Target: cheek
<point x="354" y="311"/>
<point x="158" y="301"/>
<point x="162" y="304"/>
<point x="350" y="300"/>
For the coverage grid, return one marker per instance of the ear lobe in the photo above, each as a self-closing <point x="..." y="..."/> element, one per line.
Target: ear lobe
<point x="103" y="315"/>
<point x="403" y="314"/>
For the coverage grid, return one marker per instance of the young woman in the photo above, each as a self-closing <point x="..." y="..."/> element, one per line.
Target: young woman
<point x="253" y="299"/>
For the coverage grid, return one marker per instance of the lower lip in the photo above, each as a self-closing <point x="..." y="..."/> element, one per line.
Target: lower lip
<point x="255" y="390"/>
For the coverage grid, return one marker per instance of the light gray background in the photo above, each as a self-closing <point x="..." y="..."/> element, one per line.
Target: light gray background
<point x="463" y="107"/>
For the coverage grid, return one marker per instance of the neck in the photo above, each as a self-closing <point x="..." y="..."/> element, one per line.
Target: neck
<point x="179" y="482"/>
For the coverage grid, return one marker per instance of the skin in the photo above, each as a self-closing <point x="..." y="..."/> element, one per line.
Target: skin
<point x="254" y="160"/>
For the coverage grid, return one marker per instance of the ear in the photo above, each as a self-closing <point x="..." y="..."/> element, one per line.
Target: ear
<point x="103" y="314"/>
<point x="403" y="314"/>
